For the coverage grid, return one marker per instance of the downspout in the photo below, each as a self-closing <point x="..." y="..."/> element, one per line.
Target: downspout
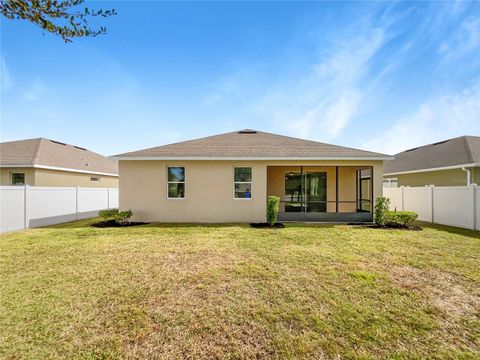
<point x="469" y="175"/>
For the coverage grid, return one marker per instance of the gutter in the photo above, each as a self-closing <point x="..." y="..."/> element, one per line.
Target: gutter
<point x="433" y="169"/>
<point x="469" y="175"/>
<point x="245" y="158"/>
<point x="35" y="166"/>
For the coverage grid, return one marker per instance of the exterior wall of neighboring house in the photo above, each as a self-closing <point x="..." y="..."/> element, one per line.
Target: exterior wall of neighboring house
<point x="451" y="177"/>
<point x="6" y="175"/>
<point x="47" y="177"/>
<point x="209" y="188"/>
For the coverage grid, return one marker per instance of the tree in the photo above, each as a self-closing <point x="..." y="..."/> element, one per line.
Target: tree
<point x="57" y="17"/>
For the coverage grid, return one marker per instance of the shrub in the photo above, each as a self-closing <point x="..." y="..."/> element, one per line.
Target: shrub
<point x="400" y="218"/>
<point x="108" y="214"/>
<point x="122" y="216"/>
<point x="382" y="205"/>
<point x="273" y="205"/>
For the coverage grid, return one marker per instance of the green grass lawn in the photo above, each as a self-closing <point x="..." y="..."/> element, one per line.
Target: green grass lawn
<point x="229" y="291"/>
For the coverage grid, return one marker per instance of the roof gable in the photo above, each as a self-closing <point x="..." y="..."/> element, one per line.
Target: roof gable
<point x="452" y="152"/>
<point x="249" y="144"/>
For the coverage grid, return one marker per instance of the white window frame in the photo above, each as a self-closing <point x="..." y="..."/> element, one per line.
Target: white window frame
<point x="243" y="182"/>
<point x="178" y="182"/>
<point x="15" y="172"/>
<point x="389" y="182"/>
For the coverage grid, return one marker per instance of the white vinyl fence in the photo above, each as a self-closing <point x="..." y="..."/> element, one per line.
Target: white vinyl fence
<point x="23" y="207"/>
<point x="448" y="205"/>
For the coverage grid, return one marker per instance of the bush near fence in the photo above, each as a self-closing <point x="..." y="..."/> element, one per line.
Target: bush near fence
<point x="448" y="205"/>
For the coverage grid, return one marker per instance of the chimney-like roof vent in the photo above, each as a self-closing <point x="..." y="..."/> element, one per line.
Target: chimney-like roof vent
<point x="247" y="131"/>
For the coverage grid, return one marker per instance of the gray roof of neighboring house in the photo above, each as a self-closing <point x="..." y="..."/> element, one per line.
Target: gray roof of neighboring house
<point x="250" y="144"/>
<point x="452" y="152"/>
<point x="52" y="153"/>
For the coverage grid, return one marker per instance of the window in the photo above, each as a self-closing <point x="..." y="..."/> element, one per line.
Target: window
<point x="18" y="178"/>
<point x="94" y="179"/>
<point x="242" y="183"/>
<point x="390" y="183"/>
<point x="176" y="182"/>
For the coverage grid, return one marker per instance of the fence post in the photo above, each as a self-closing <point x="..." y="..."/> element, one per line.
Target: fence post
<point x="475" y="210"/>
<point x="77" y="193"/>
<point x="108" y="198"/>
<point x="26" y="207"/>
<point x="432" y="217"/>
<point x="403" y="197"/>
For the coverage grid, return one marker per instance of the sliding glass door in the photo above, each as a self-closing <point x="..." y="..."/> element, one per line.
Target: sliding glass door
<point x="316" y="191"/>
<point x="294" y="192"/>
<point x="306" y="192"/>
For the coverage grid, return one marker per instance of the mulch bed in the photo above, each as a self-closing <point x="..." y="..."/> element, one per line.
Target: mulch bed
<point x="267" y="226"/>
<point x="113" y="223"/>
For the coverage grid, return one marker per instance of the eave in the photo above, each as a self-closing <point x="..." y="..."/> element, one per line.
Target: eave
<point x="47" y="167"/>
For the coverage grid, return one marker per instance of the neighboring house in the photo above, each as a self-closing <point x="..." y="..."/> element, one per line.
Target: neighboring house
<point x="227" y="178"/>
<point x="453" y="162"/>
<point x="43" y="162"/>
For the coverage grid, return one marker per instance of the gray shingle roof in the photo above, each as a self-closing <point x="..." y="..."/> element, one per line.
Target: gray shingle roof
<point x="250" y="144"/>
<point x="457" y="151"/>
<point x="56" y="154"/>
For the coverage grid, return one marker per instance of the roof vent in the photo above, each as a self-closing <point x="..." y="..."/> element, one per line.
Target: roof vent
<point x="58" y="142"/>
<point x="411" y="149"/>
<point x="78" y="147"/>
<point x="247" y="131"/>
<point x="440" y="142"/>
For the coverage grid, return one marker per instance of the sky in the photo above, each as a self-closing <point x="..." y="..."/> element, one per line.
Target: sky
<point x="381" y="76"/>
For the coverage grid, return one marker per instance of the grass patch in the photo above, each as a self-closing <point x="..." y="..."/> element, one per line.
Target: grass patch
<point x="230" y="291"/>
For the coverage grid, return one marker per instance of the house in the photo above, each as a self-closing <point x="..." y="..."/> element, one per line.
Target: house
<point x="227" y="178"/>
<point x="44" y="162"/>
<point x="452" y="162"/>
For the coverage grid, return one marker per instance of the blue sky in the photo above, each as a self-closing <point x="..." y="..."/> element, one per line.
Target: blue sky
<point x="385" y="76"/>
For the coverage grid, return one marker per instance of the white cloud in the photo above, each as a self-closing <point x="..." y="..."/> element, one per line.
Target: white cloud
<point x="332" y="115"/>
<point x="317" y="100"/>
<point x="327" y="96"/>
<point x="439" y="119"/>
<point x="6" y="80"/>
<point x="220" y="90"/>
<point x="464" y="41"/>
<point x="36" y="91"/>
<point x="235" y="87"/>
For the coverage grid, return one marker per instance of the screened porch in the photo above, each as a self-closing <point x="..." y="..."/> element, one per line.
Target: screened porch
<point x="322" y="193"/>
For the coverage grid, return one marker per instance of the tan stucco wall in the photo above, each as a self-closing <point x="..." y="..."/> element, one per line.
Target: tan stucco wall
<point x="208" y="192"/>
<point x="44" y="177"/>
<point x="347" y="188"/>
<point x="6" y="175"/>
<point x="209" y="189"/>
<point x="453" y="177"/>
<point x="63" y="178"/>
